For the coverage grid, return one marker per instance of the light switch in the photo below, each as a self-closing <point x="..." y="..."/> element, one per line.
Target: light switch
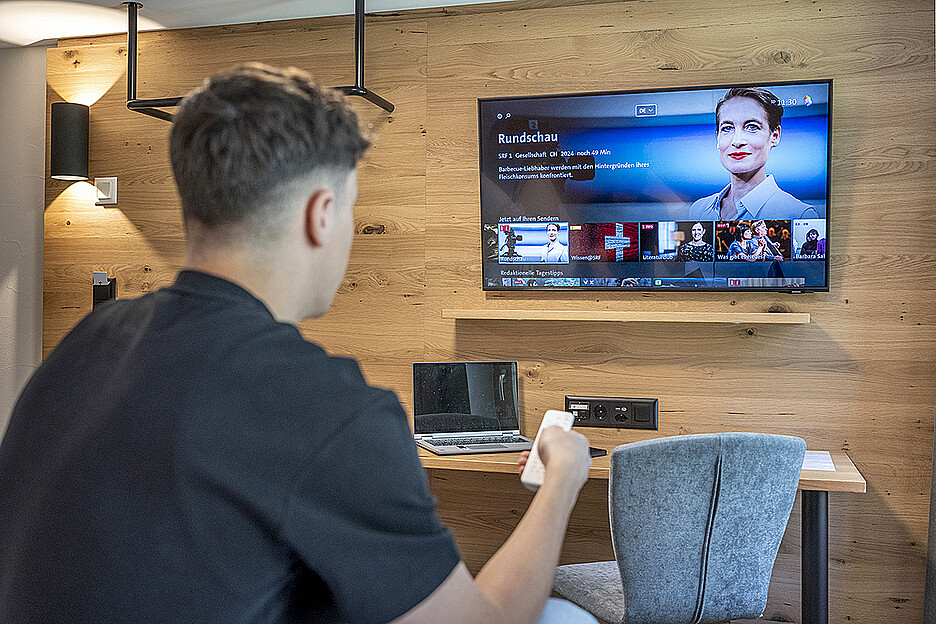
<point x="106" y="191"/>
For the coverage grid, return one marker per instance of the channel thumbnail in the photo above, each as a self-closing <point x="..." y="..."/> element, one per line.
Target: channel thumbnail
<point x="753" y="241"/>
<point x="604" y="242"/>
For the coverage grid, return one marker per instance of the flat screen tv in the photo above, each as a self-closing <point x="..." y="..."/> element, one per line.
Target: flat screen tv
<point x="654" y="190"/>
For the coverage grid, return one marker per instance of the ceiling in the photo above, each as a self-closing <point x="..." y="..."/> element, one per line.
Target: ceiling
<point x="25" y="23"/>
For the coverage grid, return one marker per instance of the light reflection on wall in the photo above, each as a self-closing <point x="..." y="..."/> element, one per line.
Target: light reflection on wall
<point x="84" y="74"/>
<point x="72" y="213"/>
<point x="74" y="196"/>
<point x="24" y="23"/>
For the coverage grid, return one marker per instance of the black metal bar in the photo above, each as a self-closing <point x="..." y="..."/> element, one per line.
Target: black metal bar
<point x="132" y="9"/>
<point x="147" y="107"/>
<point x="155" y="102"/>
<point x="155" y="112"/>
<point x="815" y="557"/>
<point x="368" y="95"/>
<point x="150" y="106"/>
<point x="359" y="89"/>
<point x="373" y="98"/>
<point x="359" y="43"/>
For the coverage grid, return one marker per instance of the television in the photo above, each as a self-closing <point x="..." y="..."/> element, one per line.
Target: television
<point x="647" y="190"/>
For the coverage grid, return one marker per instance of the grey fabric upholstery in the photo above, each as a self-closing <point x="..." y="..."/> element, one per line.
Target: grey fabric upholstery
<point x="696" y="522"/>
<point x="595" y="587"/>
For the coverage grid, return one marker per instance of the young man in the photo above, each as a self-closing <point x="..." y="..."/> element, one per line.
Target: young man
<point x="554" y="250"/>
<point x="188" y="457"/>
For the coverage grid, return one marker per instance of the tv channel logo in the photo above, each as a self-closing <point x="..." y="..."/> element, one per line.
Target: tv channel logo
<point x="646" y="110"/>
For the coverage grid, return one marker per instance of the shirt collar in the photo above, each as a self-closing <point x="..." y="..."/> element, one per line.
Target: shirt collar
<point x="754" y="201"/>
<point x="207" y="285"/>
<point x="751" y="204"/>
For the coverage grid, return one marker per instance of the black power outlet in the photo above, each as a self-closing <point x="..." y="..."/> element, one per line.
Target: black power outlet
<point x="103" y="288"/>
<point x="616" y="412"/>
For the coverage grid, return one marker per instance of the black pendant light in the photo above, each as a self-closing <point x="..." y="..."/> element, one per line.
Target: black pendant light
<point x="69" y="141"/>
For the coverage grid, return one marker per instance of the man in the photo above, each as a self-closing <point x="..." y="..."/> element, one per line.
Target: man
<point x="554" y="250"/>
<point x="188" y="457"/>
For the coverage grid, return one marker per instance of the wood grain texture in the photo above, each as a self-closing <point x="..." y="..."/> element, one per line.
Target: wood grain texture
<point x="859" y="378"/>
<point x="624" y="316"/>
<point x="845" y="478"/>
<point x="484" y="507"/>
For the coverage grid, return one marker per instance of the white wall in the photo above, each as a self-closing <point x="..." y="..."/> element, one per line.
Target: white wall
<point x="22" y="201"/>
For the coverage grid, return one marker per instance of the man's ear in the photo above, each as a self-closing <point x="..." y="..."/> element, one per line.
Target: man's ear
<point x="775" y="137"/>
<point x="319" y="216"/>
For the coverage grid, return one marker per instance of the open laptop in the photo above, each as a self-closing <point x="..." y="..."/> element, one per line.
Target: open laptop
<point x="467" y="407"/>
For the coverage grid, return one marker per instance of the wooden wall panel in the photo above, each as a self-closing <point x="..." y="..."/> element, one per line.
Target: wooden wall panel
<point x="860" y="377"/>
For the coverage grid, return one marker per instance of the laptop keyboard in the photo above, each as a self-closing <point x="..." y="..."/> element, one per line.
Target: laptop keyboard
<point x="464" y="441"/>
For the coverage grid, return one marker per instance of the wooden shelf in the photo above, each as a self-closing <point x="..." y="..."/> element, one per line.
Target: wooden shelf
<point x="845" y="477"/>
<point x="789" y="318"/>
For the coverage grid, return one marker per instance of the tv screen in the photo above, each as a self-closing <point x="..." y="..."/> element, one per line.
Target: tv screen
<point x="654" y="190"/>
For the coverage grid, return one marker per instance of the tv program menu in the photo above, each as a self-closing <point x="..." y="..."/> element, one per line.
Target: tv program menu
<point x="652" y="191"/>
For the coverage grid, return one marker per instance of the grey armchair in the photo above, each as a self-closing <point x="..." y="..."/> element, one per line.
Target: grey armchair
<point x="696" y="522"/>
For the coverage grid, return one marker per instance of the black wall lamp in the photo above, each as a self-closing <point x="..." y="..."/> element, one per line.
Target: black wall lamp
<point x="69" y="149"/>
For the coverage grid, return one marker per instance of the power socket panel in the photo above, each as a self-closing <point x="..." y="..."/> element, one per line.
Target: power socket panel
<point x="613" y="412"/>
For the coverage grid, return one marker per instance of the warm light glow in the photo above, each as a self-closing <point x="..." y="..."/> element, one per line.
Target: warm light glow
<point x="76" y="204"/>
<point x="23" y="23"/>
<point x="84" y="73"/>
<point x="80" y="195"/>
<point x="69" y="178"/>
<point x="88" y="98"/>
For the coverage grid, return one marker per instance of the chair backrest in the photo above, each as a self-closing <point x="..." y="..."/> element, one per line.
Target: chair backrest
<point x="696" y="522"/>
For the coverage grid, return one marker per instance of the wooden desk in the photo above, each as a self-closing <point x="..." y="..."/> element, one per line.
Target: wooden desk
<point x="846" y="477"/>
<point x="815" y="485"/>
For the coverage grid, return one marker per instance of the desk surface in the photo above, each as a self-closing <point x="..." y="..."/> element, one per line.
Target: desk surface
<point x="845" y="478"/>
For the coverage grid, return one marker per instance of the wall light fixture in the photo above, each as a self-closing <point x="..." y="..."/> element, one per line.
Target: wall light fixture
<point x="69" y="157"/>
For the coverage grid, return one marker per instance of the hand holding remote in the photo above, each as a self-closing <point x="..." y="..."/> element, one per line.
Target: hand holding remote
<point x="535" y="471"/>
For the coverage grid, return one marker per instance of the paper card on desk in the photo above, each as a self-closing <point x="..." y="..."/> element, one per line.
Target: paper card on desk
<point x="818" y="460"/>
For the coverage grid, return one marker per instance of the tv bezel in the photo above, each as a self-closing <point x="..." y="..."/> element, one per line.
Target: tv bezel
<point x="726" y="289"/>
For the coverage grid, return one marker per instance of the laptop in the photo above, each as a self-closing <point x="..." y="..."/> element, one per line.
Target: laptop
<point x="467" y="407"/>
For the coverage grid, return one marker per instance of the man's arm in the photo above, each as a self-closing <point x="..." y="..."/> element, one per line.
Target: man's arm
<point x="513" y="586"/>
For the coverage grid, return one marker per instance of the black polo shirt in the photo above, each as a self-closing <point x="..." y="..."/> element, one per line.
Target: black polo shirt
<point x="184" y="457"/>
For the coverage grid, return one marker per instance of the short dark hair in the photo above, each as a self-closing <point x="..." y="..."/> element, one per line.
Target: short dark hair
<point x="555" y="225"/>
<point x="740" y="229"/>
<point x="768" y="101"/>
<point x="245" y="135"/>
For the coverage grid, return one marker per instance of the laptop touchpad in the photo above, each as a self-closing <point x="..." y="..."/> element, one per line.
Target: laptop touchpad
<point x="488" y="447"/>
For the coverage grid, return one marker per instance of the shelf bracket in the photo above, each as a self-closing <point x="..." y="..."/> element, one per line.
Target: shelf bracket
<point x="154" y="106"/>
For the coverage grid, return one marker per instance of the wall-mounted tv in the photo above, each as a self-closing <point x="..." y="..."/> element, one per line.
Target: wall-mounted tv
<point x="653" y="190"/>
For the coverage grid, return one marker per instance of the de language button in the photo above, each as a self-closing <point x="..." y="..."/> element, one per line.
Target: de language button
<point x="646" y="110"/>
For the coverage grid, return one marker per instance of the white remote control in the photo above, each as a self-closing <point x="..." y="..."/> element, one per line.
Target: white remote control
<point x="534" y="471"/>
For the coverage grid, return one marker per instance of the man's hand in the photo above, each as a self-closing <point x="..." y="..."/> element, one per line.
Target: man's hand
<point x="564" y="454"/>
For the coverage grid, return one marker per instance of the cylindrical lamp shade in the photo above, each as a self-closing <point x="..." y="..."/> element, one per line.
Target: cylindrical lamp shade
<point x="69" y="141"/>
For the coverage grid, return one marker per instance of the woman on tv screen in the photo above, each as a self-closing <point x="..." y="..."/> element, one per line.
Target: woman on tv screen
<point x="747" y="121"/>
<point x="696" y="250"/>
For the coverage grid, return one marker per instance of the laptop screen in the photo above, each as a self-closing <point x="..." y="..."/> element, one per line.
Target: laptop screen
<point x="452" y="397"/>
